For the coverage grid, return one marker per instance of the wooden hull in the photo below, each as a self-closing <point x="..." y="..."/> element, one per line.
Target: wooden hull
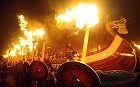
<point x="118" y="56"/>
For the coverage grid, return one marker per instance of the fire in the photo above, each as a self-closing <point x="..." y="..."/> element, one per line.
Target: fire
<point x="83" y="14"/>
<point x="19" y="50"/>
<point x="23" y="23"/>
<point x="13" y="52"/>
<point x="138" y="46"/>
<point x="39" y="32"/>
<point x="24" y="42"/>
<point x="17" y="46"/>
<point x="30" y="35"/>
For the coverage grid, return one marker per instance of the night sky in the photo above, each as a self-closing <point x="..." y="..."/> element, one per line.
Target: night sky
<point x="40" y="13"/>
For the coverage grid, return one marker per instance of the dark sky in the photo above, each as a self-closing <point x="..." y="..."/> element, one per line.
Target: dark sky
<point x="42" y="12"/>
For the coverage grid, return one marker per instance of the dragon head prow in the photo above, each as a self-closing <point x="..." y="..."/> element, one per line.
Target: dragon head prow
<point x="118" y="24"/>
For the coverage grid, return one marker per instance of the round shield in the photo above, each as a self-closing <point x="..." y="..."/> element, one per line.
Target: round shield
<point x="38" y="70"/>
<point x="77" y="74"/>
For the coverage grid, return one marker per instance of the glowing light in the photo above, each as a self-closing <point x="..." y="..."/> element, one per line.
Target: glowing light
<point x="83" y="14"/>
<point x="13" y="52"/>
<point x="23" y="44"/>
<point x="23" y="23"/>
<point x="17" y="46"/>
<point x="127" y="54"/>
<point x="5" y="56"/>
<point x="138" y="46"/>
<point x="76" y="33"/>
<point x="39" y="32"/>
<point x="29" y="33"/>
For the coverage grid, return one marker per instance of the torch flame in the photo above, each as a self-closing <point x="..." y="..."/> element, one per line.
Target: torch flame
<point x="138" y="46"/>
<point x="39" y="32"/>
<point x="83" y="14"/>
<point x="17" y="46"/>
<point x="21" y="47"/>
<point x="29" y="34"/>
<point x="13" y="52"/>
<point x="23" y="23"/>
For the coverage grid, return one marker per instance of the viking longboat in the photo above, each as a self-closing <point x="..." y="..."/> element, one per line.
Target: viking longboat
<point x="119" y="55"/>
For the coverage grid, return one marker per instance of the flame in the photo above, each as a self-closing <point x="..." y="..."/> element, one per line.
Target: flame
<point x="138" y="46"/>
<point x="5" y="56"/>
<point x="24" y="42"/>
<point x="76" y="33"/>
<point x="39" y="32"/>
<point x="29" y="33"/>
<point x="21" y="47"/>
<point x="83" y="14"/>
<point x="17" y="46"/>
<point x="12" y="52"/>
<point x="23" y="23"/>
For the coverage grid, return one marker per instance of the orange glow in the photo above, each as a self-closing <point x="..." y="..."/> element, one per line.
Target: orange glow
<point x="127" y="54"/>
<point x="23" y="44"/>
<point x="39" y="32"/>
<point x="17" y="46"/>
<point x="13" y="52"/>
<point x="138" y="46"/>
<point x="83" y="14"/>
<point x="29" y="34"/>
<point x="23" y="23"/>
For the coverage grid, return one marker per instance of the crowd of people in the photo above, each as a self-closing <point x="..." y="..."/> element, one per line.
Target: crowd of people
<point x="21" y="72"/>
<point x="24" y="79"/>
